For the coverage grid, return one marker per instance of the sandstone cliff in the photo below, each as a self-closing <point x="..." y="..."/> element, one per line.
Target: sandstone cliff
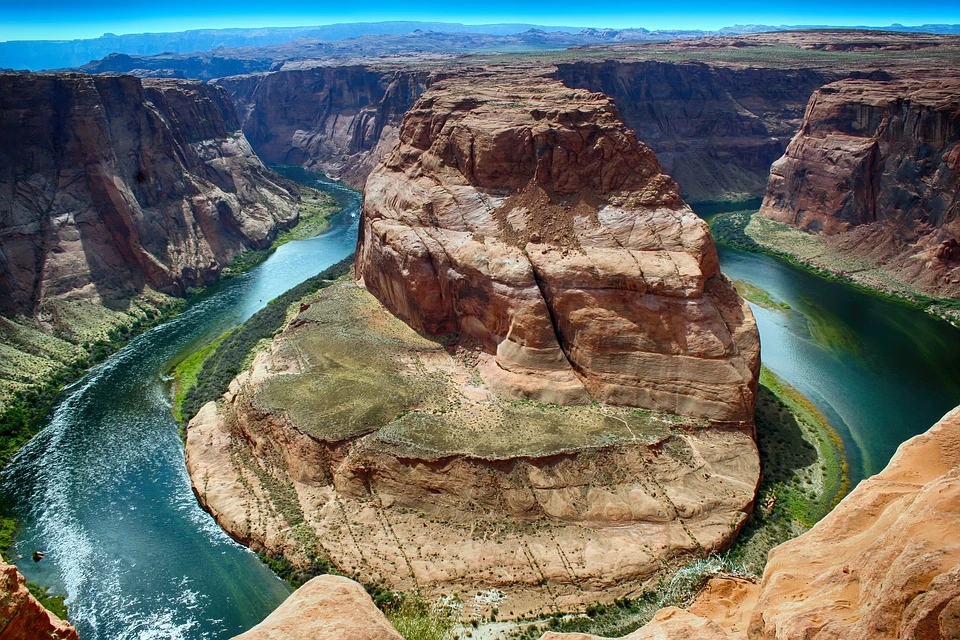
<point x="716" y="130"/>
<point x="110" y="185"/>
<point x="884" y="564"/>
<point x="875" y="168"/>
<point x="22" y="617"/>
<point x="523" y="222"/>
<point x="524" y="216"/>
<point x="337" y="119"/>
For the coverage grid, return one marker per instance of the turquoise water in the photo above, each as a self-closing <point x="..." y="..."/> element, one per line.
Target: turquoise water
<point x="104" y="493"/>
<point x="881" y="372"/>
<point x="103" y="489"/>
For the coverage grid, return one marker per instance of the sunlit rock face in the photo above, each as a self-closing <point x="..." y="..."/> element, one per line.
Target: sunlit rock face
<point x="524" y="215"/>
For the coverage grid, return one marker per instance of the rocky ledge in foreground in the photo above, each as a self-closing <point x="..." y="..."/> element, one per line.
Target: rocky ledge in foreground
<point x="884" y="564"/>
<point x="22" y="617"/>
<point x="523" y="215"/>
<point x="524" y="224"/>
<point x="875" y="169"/>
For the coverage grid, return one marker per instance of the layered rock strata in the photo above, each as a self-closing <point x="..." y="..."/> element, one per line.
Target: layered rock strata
<point x="875" y="169"/>
<point x="110" y="184"/>
<point x="715" y="129"/>
<point x="884" y="564"/>
<point x="523" y="215"/>
<point x="22" y="617"/>
<point x="337" y="119"/>
<point x="356" y="440"/>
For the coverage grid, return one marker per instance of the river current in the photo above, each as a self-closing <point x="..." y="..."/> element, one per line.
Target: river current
<point x="104" y="492"/>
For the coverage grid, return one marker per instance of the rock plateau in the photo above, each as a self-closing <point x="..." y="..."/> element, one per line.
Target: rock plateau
<point x="530" y="257"/>
<point x="523" y="215"/>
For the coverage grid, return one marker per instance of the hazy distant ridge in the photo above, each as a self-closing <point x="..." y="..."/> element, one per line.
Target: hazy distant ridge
<point x="37" y="55"/>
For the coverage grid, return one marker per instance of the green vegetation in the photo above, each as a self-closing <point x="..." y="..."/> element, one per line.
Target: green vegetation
<point x="316" y="208"/>
<point x="417" y="619"/>
<point x="758" y="296"/>
<point x="186" y="373"/>
<point x="8" y="533"/>
<point x="230" y="356"/>
<point x="731" y="229"/>
<point x="51" y="602"/>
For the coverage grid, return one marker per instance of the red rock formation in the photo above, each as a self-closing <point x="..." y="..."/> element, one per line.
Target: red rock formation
<point x="326" y="608"/>
<point x="525" y="216"/>
<point x="716" y="130"/>
<point x="876" y="166"/>
<point x="22" y="617"/>
<point x="339" y="120"/>
<point x="110" y="183"/>
<point x="884" y="564"/>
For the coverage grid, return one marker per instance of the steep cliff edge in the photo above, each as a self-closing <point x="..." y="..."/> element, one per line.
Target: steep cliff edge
<point x="884" y="564"/>
<point x="716" y="130"/>
<point x="22" y="617"/>
<point x="522" y="221"/>
<point x="523" y="215"/>
<point x="111" y="184"/>
<point x="875" y="170"/>
<point x="336" y="119"/>
<point x="115" y="192"/>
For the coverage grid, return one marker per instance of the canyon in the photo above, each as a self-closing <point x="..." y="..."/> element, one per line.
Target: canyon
<point x="116" y="194"/>
<point x="541" y="365"/>
<point x="441" y="402"/>
<point x="874" y="174"/>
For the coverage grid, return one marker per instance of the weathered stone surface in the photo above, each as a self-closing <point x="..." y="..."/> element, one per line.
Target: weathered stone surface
<point x="325" y="608"/>
<point x="336" y="119"/>
<point x="715" y="129"/>
<point x="524" y="215"/>
<point x="356" y="439"/>
<point x="22" y="617"/>
<point x="109" y="184"/>
<point x="876" y="169"/>
<point x="884" y="564"/>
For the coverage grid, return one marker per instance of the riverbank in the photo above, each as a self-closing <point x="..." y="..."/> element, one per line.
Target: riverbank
<point x="746" y="230"/>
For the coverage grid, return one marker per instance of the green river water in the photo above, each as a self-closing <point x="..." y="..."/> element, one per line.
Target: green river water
<point x="104" y="492"/>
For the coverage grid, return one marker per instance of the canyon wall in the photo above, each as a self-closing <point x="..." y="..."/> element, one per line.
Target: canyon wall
<point x="110" y="184"/>
<point x="336" y="119"/>
<point x="523" y="214"/>
<point x="716" y="130"/>
<point x="875" y="169"/>
<point x="22" y="617"/>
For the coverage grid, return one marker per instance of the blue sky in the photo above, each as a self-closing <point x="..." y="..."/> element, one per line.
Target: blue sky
<point x="64" y="19"/>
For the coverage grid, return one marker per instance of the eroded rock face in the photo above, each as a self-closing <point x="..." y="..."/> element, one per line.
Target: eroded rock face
<point x="876" y="169"/>
<point x="716" y="130"/>
<point x="884" y="564"/>
<point x="336" y="119"/>
<point x="325" y="608"/>
<point x="356" y="440"/>
<point x="524" y="215"/>
<point x="110" y="183"/>
<point x="22" y="617"/>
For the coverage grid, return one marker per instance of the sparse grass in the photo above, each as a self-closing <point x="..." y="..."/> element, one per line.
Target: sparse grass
<point x="231" y="354"/>
<point x="415" y="618"/>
